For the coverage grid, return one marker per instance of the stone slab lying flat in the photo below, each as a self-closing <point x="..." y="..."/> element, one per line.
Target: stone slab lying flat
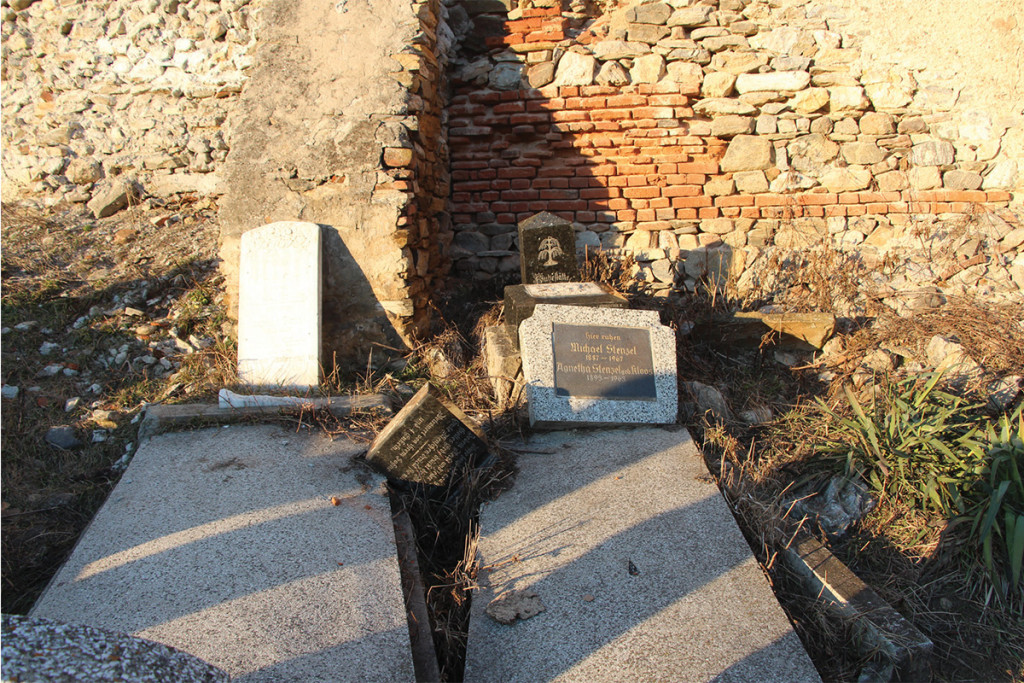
<point x="224" y="543"/>
<point x="641" y="568"/>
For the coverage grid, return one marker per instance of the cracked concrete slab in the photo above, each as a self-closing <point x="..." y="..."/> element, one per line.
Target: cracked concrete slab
<point x="265" y="552"/>
<point x="644" y="575"/>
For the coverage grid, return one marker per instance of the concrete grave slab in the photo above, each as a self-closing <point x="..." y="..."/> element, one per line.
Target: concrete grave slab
<point x="640" y="568"/>
<point x="520" y="300"/>
<point x="225" y="543"/>
<point x="279" y="307"/>
<point x="598" y="366"/>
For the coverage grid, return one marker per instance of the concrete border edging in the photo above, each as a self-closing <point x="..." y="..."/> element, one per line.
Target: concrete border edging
<point x="899" y="650"/>
<point x="162" y="418"/>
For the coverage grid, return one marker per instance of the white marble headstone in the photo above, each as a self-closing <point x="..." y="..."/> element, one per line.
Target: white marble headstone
<point x="279" y="311"/>
<point x="598" y="367"/>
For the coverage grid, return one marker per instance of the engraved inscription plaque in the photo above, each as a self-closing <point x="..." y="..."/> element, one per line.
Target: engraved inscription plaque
<point x="427" y="441"/>
<point x="610" y="363"/>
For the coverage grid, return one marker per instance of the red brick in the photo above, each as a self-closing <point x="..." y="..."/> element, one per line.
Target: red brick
<point x="517" y="172"/>
<point x="996" y="196"/>
<point x="586" y="216"/>
<point x="817" y="199"/>
<point x="609" y="114"/>
<point x="509" y="108"/>
<point x="553" y="11"/>
<point x="627" y="101"/>
<point x="532" y="119"/>
<point x="600" y="193"/>
<point x="523" y="25"/>
<point x="705" y="167"/>
<point x="626" y="215"/>
<point x="559" y="194"/>
<point x="836" y="210"/>
<point x="645" y="215"/>
<point x="684" y="214"/>
<point x="556" y="172"/>
<point x="709" y="212"/>
<point x="856" y="210"/>
<point x="752" y="212"/>
<point x="641" y="192"/>
<point x="730" y="211"/>
<point x="848" y="198"/>
<point x="640" y="203"/>
<point x="816" y="211"/>
<point x="691" y="202"/>
<point x="660" y="203"/>
<point x="545" y="105"/>
<point x="771" y="200"/>
<point x="471" y="186"/>
<point x="878" y="208"/>
<point x="735" y="200"/>
<point x="519" y="195"/>
<point x="544" y="36"/>
<point x="568" y="116"/>
<point x="618" y="204"/>
<point x="681" y="191"/>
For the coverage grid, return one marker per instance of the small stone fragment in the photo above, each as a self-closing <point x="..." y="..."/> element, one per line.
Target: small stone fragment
<point x="513" y="605"/>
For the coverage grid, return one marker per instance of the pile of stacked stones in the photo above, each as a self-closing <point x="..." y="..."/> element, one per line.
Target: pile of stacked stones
<point x="98" y="89"/>
<point x="701" y="137"/>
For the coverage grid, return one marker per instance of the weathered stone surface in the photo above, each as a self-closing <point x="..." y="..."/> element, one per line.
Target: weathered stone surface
<point x="889" y="95"/>
<point x="575" y="69"/>
<point x="1002" y="175"/>
<point x="810" y="100"/>
<point x="784" y="40"/>
<point x="738" y="62"/>
<point x="778" y="80"/>
<point x="506" y="76"/>
<point x="747" y="153"/>
<point x="721" y="106"/>
<point x="107" y="201"/>
<point x="924" y="177"/>
<point x="846" y="179"/>
<point x="932" y="153"/>
<point x="647" y="33"/>
<point x="650" y="13"/>
<point x="648" y="69"/>
<point x="876" y="123"/>
<point x="892" y="181"/>
<point x="814" y="147"/>
<point x="689" y="76"/>
<point x="690" y="16"/>
<point x="961" y="180"/>
<point x="750" y="182"/>
<point x="620" y="49"/>
<point x="727" y="126"/>
<point x="848" y="98"/>
<point x="541" y="74"/>
<point x="612" y="73"/>
<point x="864" y="153"/>
<point x="718" y="84"/>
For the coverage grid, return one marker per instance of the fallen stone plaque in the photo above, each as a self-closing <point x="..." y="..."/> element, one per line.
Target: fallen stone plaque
<point x="279" y="306"/>
<point x="598" y="366"/>
<point x="428" y="441"/>
<point x="547" y="250"/>
<point x="520" y="300"/>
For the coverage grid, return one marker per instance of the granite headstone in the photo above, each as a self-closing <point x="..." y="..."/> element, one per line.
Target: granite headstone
<point x="428" y="441"/>
<point x="547" y="250"/>
<point x="279" y="303"/>
<point x="598" y="367"/>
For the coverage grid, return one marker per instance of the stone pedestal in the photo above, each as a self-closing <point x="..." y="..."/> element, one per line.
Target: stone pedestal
<point x="520" y="300"/>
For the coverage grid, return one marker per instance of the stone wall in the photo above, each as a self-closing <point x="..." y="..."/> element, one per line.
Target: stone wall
<point x="695" y="137"/>
<point x="101" y="89"/>
<point x="347" y="133"/>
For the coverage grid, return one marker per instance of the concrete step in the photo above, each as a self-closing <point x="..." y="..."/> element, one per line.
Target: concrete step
<point x="224" y="543"/>
<point x="643" y="573"/>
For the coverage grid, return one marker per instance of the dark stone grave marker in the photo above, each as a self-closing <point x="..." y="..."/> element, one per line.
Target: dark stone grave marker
<point x="520" y="300"/>
<point x="547" y="250"/>
<point x="427" y="441"/>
